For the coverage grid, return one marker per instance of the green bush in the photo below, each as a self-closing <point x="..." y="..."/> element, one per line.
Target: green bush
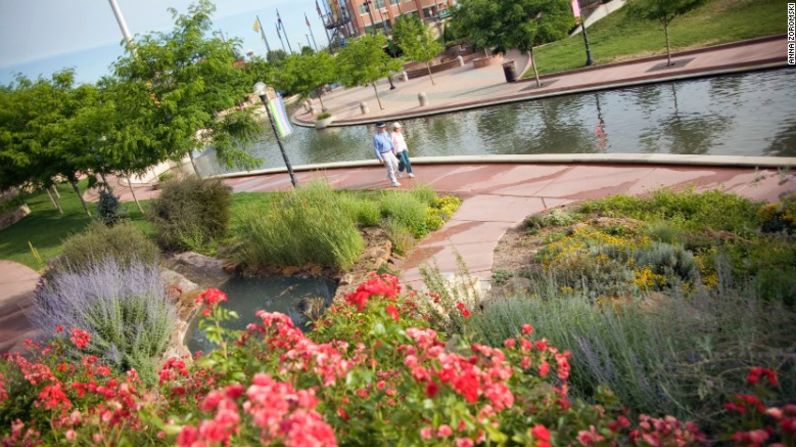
<point x="714" y="210"/>
<point x="191" y="213"/>
<point x="667" y="354"/>
<point x="123" y="242"/>
<point x="311" y="225"/>
<point x="365" y="212"/>
<point x="401" y="238"/>
<point x="668" y="260"/>
<point x="406" y="210"/>
<point x="424" y="194"/>
<point x="109" y="208"/>
<point x="323" y="116"/>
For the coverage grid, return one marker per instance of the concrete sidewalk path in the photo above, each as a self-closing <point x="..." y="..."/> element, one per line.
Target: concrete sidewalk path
<point x="17" y="283"/>
<point x="466" y="88"/>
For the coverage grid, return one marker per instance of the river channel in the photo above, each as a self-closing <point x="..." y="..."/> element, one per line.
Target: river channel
<point x="744" y="114"/>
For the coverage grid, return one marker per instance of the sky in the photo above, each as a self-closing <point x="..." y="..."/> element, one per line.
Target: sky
<point x="38" y="37"/>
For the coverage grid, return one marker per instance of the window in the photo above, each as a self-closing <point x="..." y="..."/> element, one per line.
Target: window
<point x="395" y="2"/>
<point x="363" y="9"/>
<point x="379" y="4"/>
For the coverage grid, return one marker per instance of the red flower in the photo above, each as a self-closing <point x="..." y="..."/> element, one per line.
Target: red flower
<point x="541" y="434"/>
<point x="755" y="374"/>
<point x="58" y="328"/>
<point x="544" y="369"/>
<point x="53" y="397"/>
<point x="432" y="388"/>
<point x="392" y="311"/>
<point x="80" y="338"/>
<point x="463" y="309"/>
<point x="527" y="329"/>
<point x="210" y="298"/>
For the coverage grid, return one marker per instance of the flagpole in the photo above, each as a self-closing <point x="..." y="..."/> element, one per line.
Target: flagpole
<point x="280" y="38"/>
<point x="262" y="34"/>
<point x="307" y="21"/>
<point x="323" y="22"/>
<point x="282" y="24"/>
<point x="120" y="20"/>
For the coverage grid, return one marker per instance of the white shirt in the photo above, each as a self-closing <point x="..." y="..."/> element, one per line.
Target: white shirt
<point x="398" y="142"/>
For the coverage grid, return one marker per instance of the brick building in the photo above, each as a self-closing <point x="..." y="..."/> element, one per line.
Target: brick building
<point x="365" y="14"/>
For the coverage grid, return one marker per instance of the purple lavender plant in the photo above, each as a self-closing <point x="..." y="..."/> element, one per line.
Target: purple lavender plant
<point x="124" y="308"/>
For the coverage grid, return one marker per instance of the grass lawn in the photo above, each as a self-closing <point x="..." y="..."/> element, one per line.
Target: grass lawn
<point x="46" y="229"/>
<point x="621" y="37"/>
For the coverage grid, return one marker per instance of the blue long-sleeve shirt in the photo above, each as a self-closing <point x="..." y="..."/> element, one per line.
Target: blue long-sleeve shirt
<point x="382" y="142"/>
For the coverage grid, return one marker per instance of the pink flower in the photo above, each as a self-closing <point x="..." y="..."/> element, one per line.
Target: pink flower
<point x="80" y="338"/>
<point x="509" y="343"/>
<point x="70" y="435"/>
<point x="464" y="442"/>
<point x="444" y="431"/>
<point x="544" y="369"/>
<point x="58" y="328"/>
<point x="527" y="329"/>
<point x="426" y="433"/>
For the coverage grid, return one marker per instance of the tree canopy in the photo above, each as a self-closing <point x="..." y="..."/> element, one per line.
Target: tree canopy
<point x="305" y="74"/>
<point x="416" y="41"/>
<point x="363" y="61"/>
<point x="187" y="86"/>
<point x="663" y="11"/>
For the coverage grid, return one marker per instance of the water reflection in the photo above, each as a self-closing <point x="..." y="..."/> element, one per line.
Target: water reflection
<point x="745" y="114"/>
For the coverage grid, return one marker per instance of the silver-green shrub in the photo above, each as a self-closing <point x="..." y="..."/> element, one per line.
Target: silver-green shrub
<point x="123" y="307"/>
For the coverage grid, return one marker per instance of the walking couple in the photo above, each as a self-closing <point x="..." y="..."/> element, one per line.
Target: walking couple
<point x="391" y="151"/>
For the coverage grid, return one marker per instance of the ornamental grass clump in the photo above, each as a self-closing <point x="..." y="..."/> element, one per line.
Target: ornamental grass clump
<point x="122" y="307"/>
<point x="672" y="353"/>
<point x="123" y="243"/>
<point x="311" y="225"/>
<point x="191" y="213"/>
<point x="407" y="210"/>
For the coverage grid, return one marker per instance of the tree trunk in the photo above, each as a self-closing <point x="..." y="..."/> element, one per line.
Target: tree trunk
<point x="105" y="183"/>
<point x="668" y="45"/>
<point x="80" y="196"/>
<point x="132" y="191"/>
<point x="535" y="71"/>
<point x="428" y="67"/>
<point x="193" y="163"/>
<point x="381" y="107"/>
<point x="55" y="191"/>
<point x="55" y="203"/>
<point x="323" y="107"/>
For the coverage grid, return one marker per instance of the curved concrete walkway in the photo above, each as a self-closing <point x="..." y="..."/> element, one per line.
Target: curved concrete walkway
<point x="467" y="88"/>
<point x="17" y="283"/>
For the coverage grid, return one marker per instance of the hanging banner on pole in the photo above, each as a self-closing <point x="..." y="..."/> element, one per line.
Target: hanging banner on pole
<point x="575" y="8"/>
<point x="278" y="112"/>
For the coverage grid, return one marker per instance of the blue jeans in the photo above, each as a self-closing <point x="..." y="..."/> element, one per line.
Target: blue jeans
<point x="403" y="162"/>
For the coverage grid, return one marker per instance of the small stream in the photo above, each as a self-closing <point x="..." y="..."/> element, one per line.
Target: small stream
<point x="743" y="114"/>
<point x="273" y="294"/>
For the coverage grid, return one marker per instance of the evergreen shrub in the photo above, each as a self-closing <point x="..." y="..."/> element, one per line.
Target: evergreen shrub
<point x="124" y="243"/>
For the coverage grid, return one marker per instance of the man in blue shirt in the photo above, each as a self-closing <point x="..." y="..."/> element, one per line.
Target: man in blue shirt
<point x="382" y="146"/>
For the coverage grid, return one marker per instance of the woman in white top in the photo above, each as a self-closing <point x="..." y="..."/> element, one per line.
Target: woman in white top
<point x="401" y="151"/>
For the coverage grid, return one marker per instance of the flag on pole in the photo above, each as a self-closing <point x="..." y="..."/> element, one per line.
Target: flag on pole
<point x="256" y="26"/>
<point x="277" y="108"/>
<point x="318" y="8"/>
<point x="279" y="20"/>
<point x="575" y="8"/>
<point x="306" y="20"/>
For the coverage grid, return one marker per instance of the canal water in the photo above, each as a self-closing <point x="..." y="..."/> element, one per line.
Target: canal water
<point x="271" y="293"/>
<point x="744" y="114"/>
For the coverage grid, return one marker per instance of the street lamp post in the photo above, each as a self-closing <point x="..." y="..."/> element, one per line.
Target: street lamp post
<point x="260" y="90"/>
<point x="586" y="41"/>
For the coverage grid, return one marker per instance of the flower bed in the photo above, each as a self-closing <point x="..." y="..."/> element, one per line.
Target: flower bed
<point x="373" y="372"/>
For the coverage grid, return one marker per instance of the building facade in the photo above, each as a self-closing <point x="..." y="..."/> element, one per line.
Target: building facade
<point x="381" y="14"/>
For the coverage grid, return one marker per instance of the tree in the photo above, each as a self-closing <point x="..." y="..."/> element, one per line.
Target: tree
<point x="664" y="11"/>
<point x="306" y="74"/>
<point x="520" y="24"/>
<point x="42" y="137"/>
<point x="416" y="41"/>
<point x="276" y="57"/>
<point x="183" y="90"/>
<point x="363" y="61"/>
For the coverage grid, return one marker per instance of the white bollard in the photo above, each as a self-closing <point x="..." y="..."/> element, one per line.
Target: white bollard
<point x="422" y="98"/>
<point x="364" y="108"/>
<point x="405" y="76"/>
<point x="460" y="61"/>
